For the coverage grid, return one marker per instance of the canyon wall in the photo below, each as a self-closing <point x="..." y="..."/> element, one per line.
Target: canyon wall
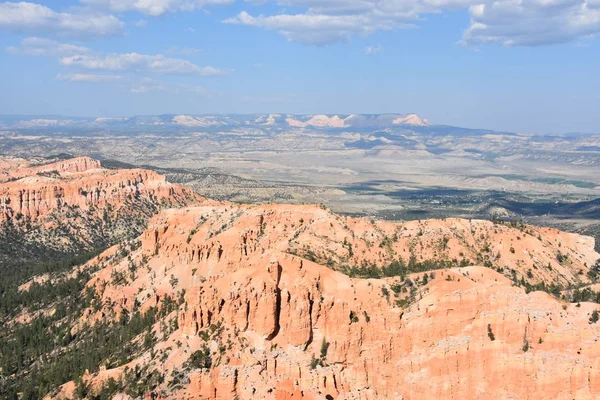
<point x="281" y="326"/>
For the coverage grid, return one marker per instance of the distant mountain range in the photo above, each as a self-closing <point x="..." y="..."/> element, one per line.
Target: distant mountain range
<point x="168" y="123"/>
<point x="185" y="121"/>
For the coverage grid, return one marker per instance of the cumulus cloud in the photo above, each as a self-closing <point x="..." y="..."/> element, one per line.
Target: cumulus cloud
<point x="322" y="29"/>
<point x="84" y="58"/>
<point x="329" y="21"/>
<point x="153" y="8"/>
<point x="31" y="18"/>
<point x="531" y="22"/>
<point x="509" y="22"/>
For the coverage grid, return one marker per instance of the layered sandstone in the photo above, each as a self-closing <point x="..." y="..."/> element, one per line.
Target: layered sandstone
<point x="186" y="236"/>
<point x="73" y="206"/>
<point x="18" y="168"/>
<point x="35" y="191"/>
<point x="255" y="299"/>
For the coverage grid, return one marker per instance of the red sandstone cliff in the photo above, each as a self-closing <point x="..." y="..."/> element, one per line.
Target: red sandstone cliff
<point x="74" y="206"/>
<point x="265" y="313"/>
<point x="35" y="191"/>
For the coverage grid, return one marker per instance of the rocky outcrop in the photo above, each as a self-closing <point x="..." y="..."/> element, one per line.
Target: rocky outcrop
<point x="529" y="253"/>
<point x="260" y="292"/>
<point x="440" y="347"/>
<point x="16" y="168"/>
<point x="36" y="191"/>
<point x="75" y="205"/>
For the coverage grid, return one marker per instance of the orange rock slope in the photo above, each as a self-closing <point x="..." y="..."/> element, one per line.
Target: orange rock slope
<point x="279" y="326"/>
<point x="34" y="191"/>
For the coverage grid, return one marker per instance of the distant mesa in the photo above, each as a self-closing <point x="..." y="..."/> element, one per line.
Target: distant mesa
<point x="187" y="121"/>
<point x="270" y="119"/>
<point x="355" y="120"/>
<point x="101" y="120"/>
<point x="411" y="119"/>
<point x="318" y="121"/>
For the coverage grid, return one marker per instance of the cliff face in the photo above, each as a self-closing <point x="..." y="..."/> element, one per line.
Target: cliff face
<point x="75" y="204"/>
<point x="354" y="244"/>
<point x="15" y="168"/>
<point x="440" y="347"/>
<point x="260" y="294"/>
<point x="36" y="191"/>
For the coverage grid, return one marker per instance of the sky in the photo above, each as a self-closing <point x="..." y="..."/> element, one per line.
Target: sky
<point x="529" y="66"/>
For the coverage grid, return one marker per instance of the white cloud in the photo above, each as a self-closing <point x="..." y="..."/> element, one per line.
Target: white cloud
<point x="531" y="22"/>
<point x="190" y="121"/>
<point x="31" y="18"/>
<point x="370" y="50"/>
<point x="141" y="23"/>
<point x="87" y="59"/>
<point x="312" y="28"/>
<point x="158" y="64"/>
<point x="88" y="78"/>
<point x="35" y="46"/>
<point x="153" y="8"/>
<point x="510" y="22"/>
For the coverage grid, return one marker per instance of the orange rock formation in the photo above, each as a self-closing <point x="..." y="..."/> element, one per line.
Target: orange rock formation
<point x="280" y="326"/>
<point x="35" y="191"/>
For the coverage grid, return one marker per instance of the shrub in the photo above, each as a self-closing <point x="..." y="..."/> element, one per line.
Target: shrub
<point x="367" y="318"/>
<point x="200" y="358"/>
<point x="314" y="362"/>
<point x="324" y="347"/>
<point x="385" y="291"/>
<point x="490" y="333"/>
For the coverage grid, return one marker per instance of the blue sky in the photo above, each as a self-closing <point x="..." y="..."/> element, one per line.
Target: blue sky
<point x="517" y="65"/>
